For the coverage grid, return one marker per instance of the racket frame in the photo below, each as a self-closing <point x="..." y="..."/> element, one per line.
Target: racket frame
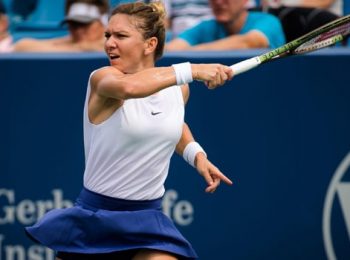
<point x="290" y="48"/>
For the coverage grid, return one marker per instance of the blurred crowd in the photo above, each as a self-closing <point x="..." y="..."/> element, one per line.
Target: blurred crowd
<point x="79" y="25"/>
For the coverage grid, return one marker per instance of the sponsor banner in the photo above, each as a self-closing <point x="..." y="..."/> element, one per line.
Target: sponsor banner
<point x="336" y="212"/>
<point x="280" y="132"/>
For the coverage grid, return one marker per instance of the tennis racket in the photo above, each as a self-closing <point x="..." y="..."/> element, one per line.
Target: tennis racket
<point x="326" y="35"/>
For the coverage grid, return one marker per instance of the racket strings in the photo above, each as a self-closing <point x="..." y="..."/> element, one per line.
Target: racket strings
<point x="325" y="39"/>
<point x="318" y="45"/>
<point x="343" y="30"/>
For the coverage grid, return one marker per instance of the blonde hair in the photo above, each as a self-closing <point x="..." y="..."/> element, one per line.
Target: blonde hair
<point x="150" y="21"/>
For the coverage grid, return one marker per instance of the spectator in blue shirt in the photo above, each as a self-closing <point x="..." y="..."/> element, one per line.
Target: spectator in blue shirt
<point x="232" y="28"/>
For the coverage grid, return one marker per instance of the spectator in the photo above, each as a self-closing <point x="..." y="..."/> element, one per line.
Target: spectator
<point x="232" y="28"/>
<point x="23" y="9"/>
<point x="334" y="6"/>
<point x="299" y="20"/>
<point x="86" y="20"/>
<point x="182" y="15"/>
<point x="5" y="37"/>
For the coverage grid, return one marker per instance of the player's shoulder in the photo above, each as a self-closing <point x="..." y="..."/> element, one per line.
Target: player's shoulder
<point x="103" y="71"/>
<point x="100" y="73"/>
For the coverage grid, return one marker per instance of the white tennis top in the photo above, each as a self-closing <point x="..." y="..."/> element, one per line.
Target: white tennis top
<point x="128" y="155"/>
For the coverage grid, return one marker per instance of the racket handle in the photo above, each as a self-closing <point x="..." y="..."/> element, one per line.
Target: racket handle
<point x="245" y="65"/>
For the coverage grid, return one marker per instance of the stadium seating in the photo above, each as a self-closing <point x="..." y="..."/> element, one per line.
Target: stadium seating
<point x="46" y="16"/>
<point x="44" y="22"/>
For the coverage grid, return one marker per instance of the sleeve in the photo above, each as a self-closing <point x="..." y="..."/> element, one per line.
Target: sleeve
<point x="198" y="34"/>
<point x="271" y="27"/>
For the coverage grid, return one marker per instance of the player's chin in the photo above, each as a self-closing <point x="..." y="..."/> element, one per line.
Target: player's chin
<point x="114" y="62"/>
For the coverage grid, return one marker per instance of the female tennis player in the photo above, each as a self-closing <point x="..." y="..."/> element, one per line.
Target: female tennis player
<point x="133" y="123"/>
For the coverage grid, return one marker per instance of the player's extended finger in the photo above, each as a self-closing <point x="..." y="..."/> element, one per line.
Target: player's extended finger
<point x="222" y="177"/>
<point x="225" y="179"/>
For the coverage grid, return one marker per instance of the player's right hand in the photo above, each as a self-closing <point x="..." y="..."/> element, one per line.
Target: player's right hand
<point x="214" y="75"/>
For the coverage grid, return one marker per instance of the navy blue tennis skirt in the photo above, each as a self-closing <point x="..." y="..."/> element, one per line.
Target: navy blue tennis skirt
<point x="99" y="224"/>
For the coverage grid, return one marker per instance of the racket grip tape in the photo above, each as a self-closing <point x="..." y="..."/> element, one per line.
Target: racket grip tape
<point x="245" y="65"/>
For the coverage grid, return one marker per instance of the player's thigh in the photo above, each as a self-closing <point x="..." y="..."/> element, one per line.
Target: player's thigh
<point x="153" y="255"/>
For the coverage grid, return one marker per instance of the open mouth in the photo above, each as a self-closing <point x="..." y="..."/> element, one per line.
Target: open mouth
<point x="114" y="56"/>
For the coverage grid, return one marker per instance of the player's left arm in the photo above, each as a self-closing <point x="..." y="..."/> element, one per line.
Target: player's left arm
<point x="212" y="175"/>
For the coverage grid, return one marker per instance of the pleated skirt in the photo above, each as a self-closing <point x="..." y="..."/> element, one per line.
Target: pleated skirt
<point x="99" y="224"/>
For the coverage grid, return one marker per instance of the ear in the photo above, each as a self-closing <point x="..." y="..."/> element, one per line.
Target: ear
<point x="151" y="45"/>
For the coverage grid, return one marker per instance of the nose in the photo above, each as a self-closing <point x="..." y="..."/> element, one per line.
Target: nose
<point x="110" y="43"/>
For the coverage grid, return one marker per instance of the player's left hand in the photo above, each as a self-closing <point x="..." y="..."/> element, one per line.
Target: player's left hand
<point x="212" y="175"/>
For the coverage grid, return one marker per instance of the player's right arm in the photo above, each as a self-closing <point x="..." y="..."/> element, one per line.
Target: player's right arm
<point x="110" y="82"/>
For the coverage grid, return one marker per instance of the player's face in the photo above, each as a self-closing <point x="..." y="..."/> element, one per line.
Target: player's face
<point x="124" y="44"/>
<point x="226" y="11"/>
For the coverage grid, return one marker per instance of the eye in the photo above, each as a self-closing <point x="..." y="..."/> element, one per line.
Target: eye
<point x="107" y="35"/>
<point x="121" y="36"/>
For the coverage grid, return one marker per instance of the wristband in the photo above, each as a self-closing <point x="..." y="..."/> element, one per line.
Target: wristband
<point x="183" y="73"/>
<point x="190" y="152"/>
